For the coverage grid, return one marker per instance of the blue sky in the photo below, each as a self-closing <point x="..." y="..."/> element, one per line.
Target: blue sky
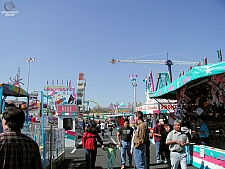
<point x="71" y="36"/>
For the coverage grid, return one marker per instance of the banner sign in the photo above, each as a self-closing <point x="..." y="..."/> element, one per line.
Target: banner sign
<point x="66" y="108"/>
<point x="58" y="88"/>
<point x="155" y="107"/>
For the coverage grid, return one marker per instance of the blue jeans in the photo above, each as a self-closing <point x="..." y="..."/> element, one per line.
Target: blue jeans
<point x="126" y="146"/>
<point x="157" y="146"/>
<point x="140" y="157"/>
<point x="111" y="162"/>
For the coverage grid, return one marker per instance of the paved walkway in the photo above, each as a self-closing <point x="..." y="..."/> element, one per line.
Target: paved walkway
<point x="76" y="159"/>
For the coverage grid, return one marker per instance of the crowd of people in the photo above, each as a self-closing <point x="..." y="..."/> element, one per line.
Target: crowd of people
<point x="131" y="141"/>
<point x="134" y="141"/>
<point x="19" y="151"/>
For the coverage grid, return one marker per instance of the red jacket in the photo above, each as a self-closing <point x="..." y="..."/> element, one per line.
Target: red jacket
<point x="89" y="141"/>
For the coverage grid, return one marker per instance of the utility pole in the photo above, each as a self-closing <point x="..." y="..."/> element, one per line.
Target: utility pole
<point x="29" y="59"/>
<point x="133" y="79"/>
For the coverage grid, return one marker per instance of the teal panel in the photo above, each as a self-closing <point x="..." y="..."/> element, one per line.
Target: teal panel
<point x="194" y="74"/>
<point x="70" y="137"/>
<point x="210" y="151"/>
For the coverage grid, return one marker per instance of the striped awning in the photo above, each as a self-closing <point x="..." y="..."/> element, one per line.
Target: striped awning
<point x="11" y="90"/>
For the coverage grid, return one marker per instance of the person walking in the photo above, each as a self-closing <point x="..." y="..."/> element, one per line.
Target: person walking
<point x="140" y="138"/>
<point x="111" y="149"/>
<point x="124" y="137"/>
<point x="90" y="144"/>
<point x="158" y="130"/>
<point x="110" y="128"/>
<point x="164" y="148"/>
<point x="177" y="141"/>
<point x="102" y="125"/>
<point x="16" y="149"/>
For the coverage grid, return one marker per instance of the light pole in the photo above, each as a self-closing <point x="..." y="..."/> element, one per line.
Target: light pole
<point x="133" y="79"/>
<point x="29" y="59"/>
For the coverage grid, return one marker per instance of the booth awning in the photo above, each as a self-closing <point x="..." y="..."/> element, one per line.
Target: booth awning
<point x="11" y="90"/>
<point x="118" y="115"/>
<point x="197" y="75"/>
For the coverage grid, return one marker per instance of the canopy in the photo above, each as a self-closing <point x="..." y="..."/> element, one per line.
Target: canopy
<point x="197" y="75"/>
<point x="118" y="115"/>
<point x="11" y="90"/>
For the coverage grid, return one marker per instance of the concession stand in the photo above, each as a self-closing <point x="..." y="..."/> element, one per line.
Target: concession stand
<point x="200" y="92"/>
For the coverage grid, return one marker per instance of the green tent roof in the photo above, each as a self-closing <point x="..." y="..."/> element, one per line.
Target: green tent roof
<point x="193" y="77"/>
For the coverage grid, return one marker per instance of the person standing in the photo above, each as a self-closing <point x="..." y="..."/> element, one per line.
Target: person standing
<point x="177" y="141"/>
<point x="16" y="149"/>
<point x="158" y="130"/>
<point x="140" y="138"/>
<point x="90" y="144"/>
<point x="203" y="132"/>
<point x="102" y="125"/>
<point x="147" y="143"/>
<point x="164" y="148"/>
<point x="83" y="125"/>
<point x="124" y="137"/>
<point x="110" y="128"/>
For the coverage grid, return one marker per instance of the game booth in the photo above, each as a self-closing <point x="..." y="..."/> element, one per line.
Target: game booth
<point x="201" y="92"/>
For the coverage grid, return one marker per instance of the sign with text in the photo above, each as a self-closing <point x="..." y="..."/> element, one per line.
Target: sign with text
<point x="154" y="107"/>
<point x="66" y="108"/>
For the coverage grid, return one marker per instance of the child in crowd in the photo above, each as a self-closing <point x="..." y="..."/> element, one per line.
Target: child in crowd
<point x="111" y="149"/>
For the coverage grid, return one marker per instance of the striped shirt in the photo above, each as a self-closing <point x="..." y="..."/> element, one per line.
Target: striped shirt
<point x="17" y="151"/>
<point x="178" y="136"/>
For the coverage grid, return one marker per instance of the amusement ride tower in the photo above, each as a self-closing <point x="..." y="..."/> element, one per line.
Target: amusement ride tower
<point x="81" y="84"/>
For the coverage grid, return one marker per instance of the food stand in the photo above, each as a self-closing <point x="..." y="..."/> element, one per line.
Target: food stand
<point x="201" y="92"/>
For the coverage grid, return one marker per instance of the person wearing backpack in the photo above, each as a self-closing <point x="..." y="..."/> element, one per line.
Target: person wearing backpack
<point x="89" y="142"/>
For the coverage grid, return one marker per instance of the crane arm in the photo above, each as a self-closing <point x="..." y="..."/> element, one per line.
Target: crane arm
<point x="163" y="62"/>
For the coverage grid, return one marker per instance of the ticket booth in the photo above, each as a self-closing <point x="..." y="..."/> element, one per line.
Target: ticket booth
<point x="66" y="120"/>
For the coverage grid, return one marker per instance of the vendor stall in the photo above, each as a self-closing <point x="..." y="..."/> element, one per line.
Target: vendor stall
<point x="201" y="93"/>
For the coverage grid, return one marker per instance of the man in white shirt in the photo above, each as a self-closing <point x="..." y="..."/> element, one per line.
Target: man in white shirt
<point x="102" y="128"/>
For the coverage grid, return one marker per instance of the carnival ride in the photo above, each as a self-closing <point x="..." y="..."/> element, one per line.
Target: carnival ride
<point x="62" y="103"/>
<point x="167" y="62"/>
<point x="163" y="79"/>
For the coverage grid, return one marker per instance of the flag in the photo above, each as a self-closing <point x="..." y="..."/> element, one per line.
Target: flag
<point x="205" y="61"/>
<point x="146" y="82"/>
<point x="69" y="83"/>
<point x="150" y="82"/>
<point x="219" y="52"/>
<point x="112" y="107"/>
<point x="74" y="95"/>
